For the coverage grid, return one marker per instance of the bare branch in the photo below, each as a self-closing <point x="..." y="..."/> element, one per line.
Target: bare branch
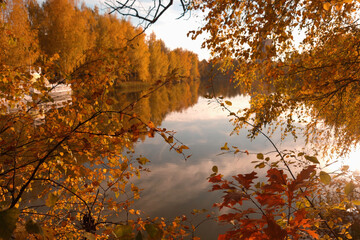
<point x="147" y="12"/>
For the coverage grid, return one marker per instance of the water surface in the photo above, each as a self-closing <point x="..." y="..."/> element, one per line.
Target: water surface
<point x="174" y="186"/>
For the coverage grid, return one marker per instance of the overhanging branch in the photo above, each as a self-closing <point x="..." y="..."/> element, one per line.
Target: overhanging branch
<point x="148" y="12"/>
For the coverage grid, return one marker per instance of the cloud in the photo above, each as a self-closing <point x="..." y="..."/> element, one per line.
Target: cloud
<point x="178" y="186"/>
<point x="204" y="111"/>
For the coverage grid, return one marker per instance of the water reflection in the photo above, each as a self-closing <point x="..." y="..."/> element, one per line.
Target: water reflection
<point x="174" y="186"/>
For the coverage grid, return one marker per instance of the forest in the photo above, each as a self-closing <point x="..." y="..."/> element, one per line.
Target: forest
<point x="69" y="34"/>
<point x="66" y="170"/>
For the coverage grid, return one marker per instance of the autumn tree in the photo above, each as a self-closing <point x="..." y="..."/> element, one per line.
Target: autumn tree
<point x="65" y="31"/>
<point x="138" y="53"/>
<point x="63" y="171"/>
<point x="19" y="45"/>
<point x="320" y="70"/>
<point x="111" y="42"/>
<point x="315" y="78"/>
<point x="194" y="66"/>
<point x="47" y="150"/>
<point x="158" y="65"/>
<point x="291" y="77"/>
<point x="184" y="62"/>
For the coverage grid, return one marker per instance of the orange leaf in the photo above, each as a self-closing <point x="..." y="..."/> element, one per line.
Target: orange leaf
<point x="327" y="6"/>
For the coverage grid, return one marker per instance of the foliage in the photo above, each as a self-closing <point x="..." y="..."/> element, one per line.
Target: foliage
<point x="64" y="171"/>
<point x="309" y="81"/>
<point x="309" y="205"/>
<point x="119" y="41"/>
<point x="287" y="75"/>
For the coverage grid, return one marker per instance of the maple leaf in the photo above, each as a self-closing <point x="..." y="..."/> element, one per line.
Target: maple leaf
<point x="274" y="231"/>
<point x="216" y="178"/>
<point x="246" y="179"/>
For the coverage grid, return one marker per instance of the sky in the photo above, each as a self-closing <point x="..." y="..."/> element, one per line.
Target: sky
<point x="170" y="29"/>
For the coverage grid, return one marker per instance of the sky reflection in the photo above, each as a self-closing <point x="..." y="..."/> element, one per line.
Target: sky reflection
<point x="174" y="186"/>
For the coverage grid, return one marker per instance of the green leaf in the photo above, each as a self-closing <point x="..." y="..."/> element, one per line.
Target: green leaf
<point x="225" y="147"/>
<point x="51" y="200"/>
<point x="33" y="227"/>
<point x="8" y="219"/>
<point x="325" y="178"/>
<point x="154" y="232"/>
<point x="349" y="188"/>
<point x="123" y="231"/>
<point x="215" y="169"/>
<point x="260" y="156"/>
<point x="312" y="159"/>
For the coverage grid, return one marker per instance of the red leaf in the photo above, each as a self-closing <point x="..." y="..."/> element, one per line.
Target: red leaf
<point x="222" y="237"/>
<point x="233" y="198"/>
<point x="246" y="180"/>
<point x="216" y="187"/>
<point x="274" y="231"/>
<point x="276" y="176"/>
<point x="302" y="178"/>
<point x="270" y="200"/>
<point x="305" y="173"/>
<point x="215" y="179"/>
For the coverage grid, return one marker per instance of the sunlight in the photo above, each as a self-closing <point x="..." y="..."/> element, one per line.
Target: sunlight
<point x="353" y="160"/>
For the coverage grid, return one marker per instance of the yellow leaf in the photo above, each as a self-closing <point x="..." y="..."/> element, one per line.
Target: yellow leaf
<point x="170" y="139"/>
<point x="325" y="177"/>
<point x="123" y="231"/>
<point x="228" y="103"/>
<point x="225" y="147"/>
<point x="142" y="160"/>
<point x="184" y="147"/>
<point x="349" y="188"/>
<point x="51" y="200"/>
<point x="151" y="124"/>
<point x="312" y="159"/>
<point x="260" y="165"/>
<point x="89" y="236"/>
<point x="8" y="219"/>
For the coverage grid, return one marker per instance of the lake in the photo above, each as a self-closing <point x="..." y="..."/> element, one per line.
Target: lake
<point x="173" y="186"/>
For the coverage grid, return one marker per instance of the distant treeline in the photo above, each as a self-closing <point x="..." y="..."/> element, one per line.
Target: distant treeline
<point x="68" y="34"/>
